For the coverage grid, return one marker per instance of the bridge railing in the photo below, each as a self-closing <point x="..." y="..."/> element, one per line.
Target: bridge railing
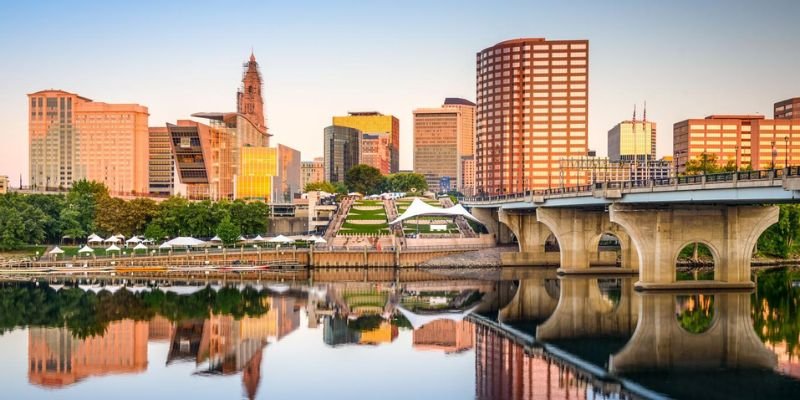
<point x="767" y="174"/>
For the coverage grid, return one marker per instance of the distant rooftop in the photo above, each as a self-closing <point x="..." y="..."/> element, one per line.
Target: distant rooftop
<point x="735" y="116"/>
<point x="458" y="101"/>
<point x="363" y="113"/>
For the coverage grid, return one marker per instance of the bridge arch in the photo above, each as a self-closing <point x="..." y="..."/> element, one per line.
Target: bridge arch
<point x="629" y="255"/>
<point x="715" y="255"/>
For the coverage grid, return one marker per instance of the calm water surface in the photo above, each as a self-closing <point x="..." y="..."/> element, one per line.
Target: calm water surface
<point x="344" y="334"/>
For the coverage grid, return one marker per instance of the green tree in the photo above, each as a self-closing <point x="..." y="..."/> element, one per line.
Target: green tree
<point x="364" y="179"/>
<point x="171" y="216"/>
<point x="404" y="182"/>
<point x="706" y="164"/>
<point x="781" y="239"/>
<point x="154" y="231"/>
<point x="320" y="186"/>
<point x="228" y="231"/>
<point x="84" y="197"/>
<point x="70" y="226"/>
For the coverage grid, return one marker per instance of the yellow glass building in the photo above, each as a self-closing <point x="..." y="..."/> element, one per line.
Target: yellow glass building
<point x="628" y="139"/>
<point x="372" y="122"/>
<point x="259" y="167"/>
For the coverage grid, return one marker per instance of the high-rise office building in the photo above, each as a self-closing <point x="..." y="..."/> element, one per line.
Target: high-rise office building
<point x="73" y="138"/>
<point x="376" y="151"/>
<point x="249" y="101"/>
<point x="161" y="171"/>
<point x="532" y="110"/>
<point x="787" y="109"/>
<point x="442" y="137"/>
<point x="312" y="171"/>
<point x="342" y="151"/>
<point x="739" y="140"/>
<point x="375" y="123"/>
<point x="288" y="174"/>
<point x="629" y="140"/>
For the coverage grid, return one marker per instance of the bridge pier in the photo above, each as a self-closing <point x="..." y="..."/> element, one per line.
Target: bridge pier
<point x="660" y="343"/>
<point x="583" y="310"/>
<point x="579" y="232"/>
<point x="535" y="298"/>
<point x="531" y="236"/>
<point x="489" y="217"/>
<point x="730" y="232"/>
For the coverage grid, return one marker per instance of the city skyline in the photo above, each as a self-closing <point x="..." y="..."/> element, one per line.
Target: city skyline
<point x="683" y="71"/>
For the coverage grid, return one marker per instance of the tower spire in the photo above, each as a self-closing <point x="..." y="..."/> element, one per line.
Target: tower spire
<point x="249" y="100"/>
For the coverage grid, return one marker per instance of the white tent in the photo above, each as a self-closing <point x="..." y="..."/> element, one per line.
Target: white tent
<point x="280" y="239"/>
<point x="240" y="239"/>
<point x="419" y="320"/>
<point x="147" y="241"/>
<point x="215" y="239"/>
<point x="113" y="247"/>
<point x="112" y="239"/>
<point x="94" y="238"/>
<point x="320" y="240"/>
<point x="185" y="241"/>
<point x="164" y="246"/>
<point x="259" y="239"/>
<point x="420" y="208"/>
<point x="133" y="239"/>
<point x="56" y="250"/>
<point x="86" y="249"/>
<point x="140" y="246"/>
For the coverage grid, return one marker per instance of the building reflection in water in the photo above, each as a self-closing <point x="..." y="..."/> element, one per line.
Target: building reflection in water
<point x="505" y="370"/>
<point x="58" y="359"/>
<point x="445" y="335"/>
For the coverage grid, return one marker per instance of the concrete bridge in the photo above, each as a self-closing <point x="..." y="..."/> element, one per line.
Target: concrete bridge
<point x="661" y="343"/>
<point x="652" y="220"/>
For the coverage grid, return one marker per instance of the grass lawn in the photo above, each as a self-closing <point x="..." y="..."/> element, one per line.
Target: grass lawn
<point x="374" y="229"/>
<point x="23" y="252"/>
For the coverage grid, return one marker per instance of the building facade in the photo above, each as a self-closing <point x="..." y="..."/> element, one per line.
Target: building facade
<point x="442" y="138"/>
<point x="312" y="171"/>
<point x="3" y="184"/>
<point x="288" y="175"/>
<point x="787" y="109"/>
<point x="532" y="110"/>
<point x="257" y="177"/>
<point x="738" y="140"/>
<point x="342" y="151"/>
<point x="72" y="138"/>
<point x="161" y="170"/>
<point x="375" y="123"/>
<point x="632" y="140"/>
<point x="376" y="151"/>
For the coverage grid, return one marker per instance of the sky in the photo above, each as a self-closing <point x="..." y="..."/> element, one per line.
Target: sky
<point x="687" y="59"/>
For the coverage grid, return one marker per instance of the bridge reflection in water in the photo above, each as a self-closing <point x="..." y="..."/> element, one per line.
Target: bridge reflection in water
<point x="534" y="334"/>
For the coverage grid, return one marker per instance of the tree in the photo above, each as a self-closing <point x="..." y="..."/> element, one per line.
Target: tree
<point x="706" y="164"/>
<point x="84" y="197"/>
<point x="363" y="179"/>
<point x="320" y="186"/>
<point x="781" y="239"/>
<point x="154" y="231"/>
<point x="404" y="182"/>
<point x="228" y="231"/>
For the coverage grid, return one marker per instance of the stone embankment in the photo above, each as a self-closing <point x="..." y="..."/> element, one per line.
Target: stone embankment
<point x="471" y="259"/>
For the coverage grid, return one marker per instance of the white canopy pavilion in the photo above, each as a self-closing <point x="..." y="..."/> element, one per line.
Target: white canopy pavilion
<point x="93" y="238"/>
<point x="258" y="238"/>
<point x="419" y="208"/>
<point x="280" y="239"/>
<point x="164" y="246"/>
<point x="133" y="239"/>
<point x="56" y="251"/>
<point x="215" y="239"/>
<point x="420" y="320"/>
<point x="86" y="249"/>
<point x="112" y="239"/>
<point x="113" y="247"/>
<point x="140" y="246"/>
<point x="185" y="241"/>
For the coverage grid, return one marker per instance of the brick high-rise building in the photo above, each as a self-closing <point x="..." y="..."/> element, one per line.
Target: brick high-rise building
<point x="375" y="123"/>
<point x="532" y="110"/>
<point x="787" y="109"/>
<point x="442" y="138"/>
<point x="72" y="138"/>
<point x="249" y="101"/>
<point x="376" y="151"/>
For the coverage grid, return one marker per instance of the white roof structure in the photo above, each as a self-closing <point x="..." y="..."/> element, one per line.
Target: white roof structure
<point x="258" y="239"/>
<point x="215" y="239"/>
<point x="86" y="249"/>
<point x="113" y="247"/>
<point x="420" y="320"/>
<point x="320" y="240"/>
<point x="420" y="208"/>
<point x="133" y="239"/>
<point x="140" y="246"/>
<point x="165" y="246"/>
<point x="280" y="239"/>
<point x="185" y="241"/>
<point x="94" y="238"/>
<point x="112" y="239"/>
<point x="56" y="250"/>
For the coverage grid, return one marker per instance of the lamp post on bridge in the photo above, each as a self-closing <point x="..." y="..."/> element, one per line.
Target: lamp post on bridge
<point x="786" y="152"/>
<point x="774" y="154"/>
